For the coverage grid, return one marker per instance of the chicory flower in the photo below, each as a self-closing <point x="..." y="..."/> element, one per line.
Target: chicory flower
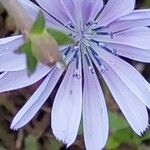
<point x="101" y="33"/>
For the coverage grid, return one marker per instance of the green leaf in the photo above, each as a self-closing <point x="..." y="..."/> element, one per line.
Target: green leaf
<point x="123" y="136"/>
<point x="147" y="3"/>
<point x="112" y="144"/>
<point x="60" y="37"/>
<point x="55" y="145"/>
<point x="117" y="122"/>
<point x="30" y="59"/>
<point x="30" y="143"/>
<point x="39" y="25"/>
<point x="31" y="63"/>
<point x="24" y="48"/>
<point x="146" y="136"/>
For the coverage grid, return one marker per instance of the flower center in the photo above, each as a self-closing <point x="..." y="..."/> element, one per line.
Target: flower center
<point x="86" y="36"/>
<point x="76" y="32"/>
<point x="80" y="36"/>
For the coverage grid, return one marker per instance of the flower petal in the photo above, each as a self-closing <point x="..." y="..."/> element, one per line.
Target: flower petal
<point x="134" y="19"/>
<point x="95" y="117"/>
<point x="131" y="52"/>
<point x="32" y="10"/>
<point x="128" y="75"/>
<point x="133" y="109"/>
<point x="36" y="101"/>
<point x="12" y="62"/>
<point x="129" y="102"/>
<point x="10" y="44"/>
<point x="66" y="111"/>
<point x="63" y="12"/>
<point x="9" y="61"/>
<point x="115" y="9"/>
<point x="55" y="8"/>
<point x="137" y="37"/>
<point x="90" y="8"/>
<point x="19" y="79"/>
<point x="72" y="11"/>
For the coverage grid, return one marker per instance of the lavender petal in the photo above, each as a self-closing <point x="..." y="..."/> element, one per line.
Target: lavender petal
<point x="95" y="117"/>
<point x="132" y="107"/>
<point x="129" y="76"/>
<point x="10" y="44"/>
<point x="66" y="111"/>
<point x="36" y="101"/>
<point x="138" y="54"/>
<point x="18" y="79"/>
<point x="134" y="19"/>
<point x="12" y="62"/>
<point x="137" y="37"/>
<point x="115" y="9"/>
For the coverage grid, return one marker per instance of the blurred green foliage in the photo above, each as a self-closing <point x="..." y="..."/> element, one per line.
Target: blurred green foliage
<point x="147" y="3"/>
<point x="30" y="143"/>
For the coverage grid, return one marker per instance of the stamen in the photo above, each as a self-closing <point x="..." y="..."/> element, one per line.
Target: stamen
<point x="101" y="65"/>
<point x="75" y="55"/>
<point x="89" y="23"/>
<point x="70" y="25"/>
<point x="87" y="60"/>
<point x="111" y="35"/>
<point x="95" y="56"/>
<point x="103" y="33"/>
<point x="103" y="69"/>
<point x="67" y="51"/>
<point x="70" y="54"/>
<point x="93" y="51"/>
<point x="113" y="51"/>
<point x="98" y="28"/>
<point x="98" y="60"/>
<point x="98" y="14"/>
<point x="76" y="74"/>
<point x="89" y="63"/>
<point x="106" y="33"/>
<point x="97" y="42"/>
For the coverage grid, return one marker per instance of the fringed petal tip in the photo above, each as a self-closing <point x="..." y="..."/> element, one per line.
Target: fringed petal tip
<point x="63" y="141"/>
<point x="60" y="137"/>
<point x="67" y="106"/>
<point x="13" y="126"/>
<point x="144" y="130"/>
<point x="16" y="124"/>
<point x="36" y="101"/>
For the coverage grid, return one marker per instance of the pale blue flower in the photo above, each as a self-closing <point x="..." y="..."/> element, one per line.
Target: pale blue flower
<point x="101" y="34"/>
